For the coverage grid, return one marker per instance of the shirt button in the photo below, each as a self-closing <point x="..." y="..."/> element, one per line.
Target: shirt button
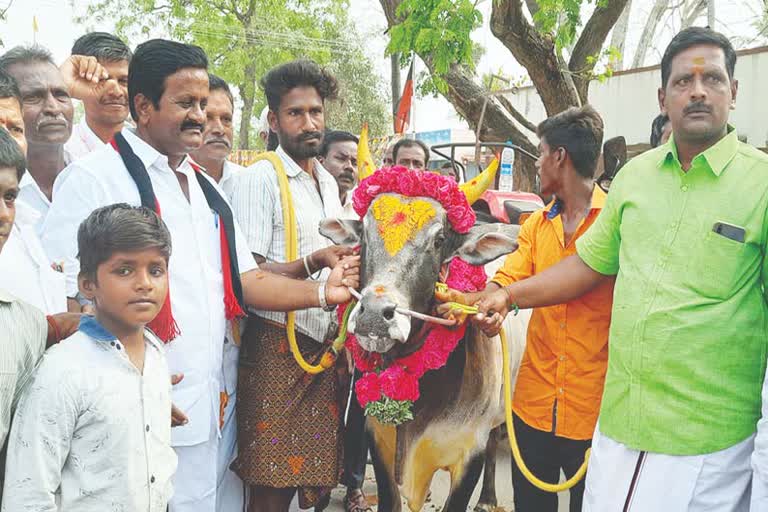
<point x="560" y="391"/>
<point x="147" y="428"/>
<point x="562" y="358"/>
<point x="112" y="343"/>
<point x="562" y="325"/>
<point x="152" y="479"/>
<point x="684" y="188"/>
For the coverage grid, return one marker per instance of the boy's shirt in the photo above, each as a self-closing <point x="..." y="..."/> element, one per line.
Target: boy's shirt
<point x="91" y="433"/>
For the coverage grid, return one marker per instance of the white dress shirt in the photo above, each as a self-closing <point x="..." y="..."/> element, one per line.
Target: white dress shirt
<point x="25" y="270"/>
<point x="31" y="194"/>
<point x="227" y="182"/>
<point x="256" y="201"/>
<point x="82" y="142"/>
<point x="91" y="432"/>
<point x="196" y="283"/>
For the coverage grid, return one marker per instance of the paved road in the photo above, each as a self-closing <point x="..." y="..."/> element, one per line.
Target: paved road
<point x="440" y="487"/>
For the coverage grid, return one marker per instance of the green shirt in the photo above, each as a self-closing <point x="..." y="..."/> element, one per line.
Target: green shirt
<point x="689" y="328"/>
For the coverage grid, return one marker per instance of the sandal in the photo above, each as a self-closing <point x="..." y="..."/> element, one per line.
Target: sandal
<point x="355" y="501"/>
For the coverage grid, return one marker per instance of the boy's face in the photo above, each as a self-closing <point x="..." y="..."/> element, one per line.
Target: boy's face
<point x="129" y="289"/>
<point x="9" y="190"/>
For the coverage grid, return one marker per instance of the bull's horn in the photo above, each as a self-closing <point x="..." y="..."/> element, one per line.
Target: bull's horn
<point x="475" y="187"/>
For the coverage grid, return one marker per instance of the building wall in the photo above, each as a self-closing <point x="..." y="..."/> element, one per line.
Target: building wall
<point x="628" y="102"/>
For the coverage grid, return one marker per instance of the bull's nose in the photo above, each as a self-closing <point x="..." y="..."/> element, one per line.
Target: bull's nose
<point x="376" y="322"/>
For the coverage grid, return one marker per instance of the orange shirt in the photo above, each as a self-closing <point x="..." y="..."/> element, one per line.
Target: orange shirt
<point x="562" y="373"/>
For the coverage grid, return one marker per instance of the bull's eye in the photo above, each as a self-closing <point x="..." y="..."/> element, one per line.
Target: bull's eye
<point x="439" y="239"/>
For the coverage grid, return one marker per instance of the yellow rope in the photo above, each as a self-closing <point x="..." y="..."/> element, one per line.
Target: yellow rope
<point x="544" y="486"/>
<point x="291" y="254"/>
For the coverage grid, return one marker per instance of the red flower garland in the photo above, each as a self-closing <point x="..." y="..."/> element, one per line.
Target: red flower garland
<point x="407" y="182"/>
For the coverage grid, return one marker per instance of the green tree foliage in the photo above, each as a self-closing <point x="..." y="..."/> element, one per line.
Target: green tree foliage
<point x="246" y="38"/>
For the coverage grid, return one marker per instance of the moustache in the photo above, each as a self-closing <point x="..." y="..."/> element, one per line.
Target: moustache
<point x="697" y="107"/>
<point x="191" y="125"/>
<point x="218" y="140"/>
<point x="47" y="119"/>
<point x="347" y="175"/>
<point x="309" y="136"/>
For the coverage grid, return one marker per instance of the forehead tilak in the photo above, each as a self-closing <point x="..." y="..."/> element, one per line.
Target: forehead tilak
<point x="398" y="221"/>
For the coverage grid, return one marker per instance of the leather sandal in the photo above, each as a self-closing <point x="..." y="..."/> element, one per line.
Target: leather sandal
<point x="355" y="501"/>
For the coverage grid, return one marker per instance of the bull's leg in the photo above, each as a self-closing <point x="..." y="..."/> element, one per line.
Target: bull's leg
<point x="487" y="501"/>
<point x="461" y="493"/>
<point x="386" y="487"/>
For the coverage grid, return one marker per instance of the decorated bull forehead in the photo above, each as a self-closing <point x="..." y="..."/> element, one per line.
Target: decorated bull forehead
<point x="399" y="220"/>
<point x="415" y="184"/>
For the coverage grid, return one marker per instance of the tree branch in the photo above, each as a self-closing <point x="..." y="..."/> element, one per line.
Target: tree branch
<point x="516" y="115"/>
<point x="591" y="42"/>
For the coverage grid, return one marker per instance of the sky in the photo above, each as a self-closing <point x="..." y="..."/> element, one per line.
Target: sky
<point x="58" y="30"/>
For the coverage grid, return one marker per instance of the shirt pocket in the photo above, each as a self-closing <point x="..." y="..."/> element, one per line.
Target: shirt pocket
<point x="716" y="266"/>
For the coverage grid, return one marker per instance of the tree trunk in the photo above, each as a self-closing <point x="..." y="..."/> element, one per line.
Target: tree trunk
<point x="659" y="7"/>
<point x="619" y="35"/>
<point x="248" y="95"/>
<point x="396" y="86"/>
<point x="691" y="11"/>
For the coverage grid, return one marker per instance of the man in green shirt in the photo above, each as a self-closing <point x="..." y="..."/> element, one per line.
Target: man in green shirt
<point x="684" y="230"/>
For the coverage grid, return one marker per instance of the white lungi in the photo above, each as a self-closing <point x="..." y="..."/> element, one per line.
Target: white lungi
<point x="714" y="482"/>
<point x="760" y="458"/>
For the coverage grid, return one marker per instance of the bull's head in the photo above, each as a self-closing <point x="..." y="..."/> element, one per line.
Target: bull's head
<point x="404" y="243"/>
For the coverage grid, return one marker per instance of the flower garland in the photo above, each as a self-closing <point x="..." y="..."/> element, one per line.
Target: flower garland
<point x="388" y="393"/>
<point x="406" y="182"/>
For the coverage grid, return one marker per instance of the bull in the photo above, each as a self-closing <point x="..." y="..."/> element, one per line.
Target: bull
<point x="461" y="402"/>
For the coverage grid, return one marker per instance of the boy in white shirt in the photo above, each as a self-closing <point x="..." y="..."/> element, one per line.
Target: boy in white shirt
<point x="92" y="432"/>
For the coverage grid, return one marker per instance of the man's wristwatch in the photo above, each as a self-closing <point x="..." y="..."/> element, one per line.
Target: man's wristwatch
<point x="321" y="298"/>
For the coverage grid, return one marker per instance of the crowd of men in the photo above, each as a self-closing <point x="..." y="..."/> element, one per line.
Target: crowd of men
<point x="132" y="248"/>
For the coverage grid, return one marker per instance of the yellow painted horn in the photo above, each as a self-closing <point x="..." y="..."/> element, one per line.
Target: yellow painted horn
<point x="365" y="165"/>
<point x="475" y="187"/>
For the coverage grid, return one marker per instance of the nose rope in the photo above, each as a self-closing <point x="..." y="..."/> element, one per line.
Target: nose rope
<point x="470" y="310"/>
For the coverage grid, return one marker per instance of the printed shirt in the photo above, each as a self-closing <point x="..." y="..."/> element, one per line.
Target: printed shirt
<point x="196" y="283"/>
<point x="566" y="354"/>
<point x="257" y="206"/>
<point x="91" y="432"/>
<point x="82" y="142"/>
<point x="25" y="271"/>
<point x="690" y="323"/>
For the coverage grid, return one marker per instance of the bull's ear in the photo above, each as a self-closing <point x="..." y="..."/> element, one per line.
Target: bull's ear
<point x="487" y="242"/>
<point x="342" y="231"/>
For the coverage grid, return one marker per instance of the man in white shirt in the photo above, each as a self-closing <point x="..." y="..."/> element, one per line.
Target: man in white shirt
<point x="212" y="274"/>
<point x="47" y="111"/>
<point x="218" y="136"/>
<point x="106" y="104"/>
<point x="25" y="271"/>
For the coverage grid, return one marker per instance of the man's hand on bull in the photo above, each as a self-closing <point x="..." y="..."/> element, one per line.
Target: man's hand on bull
<point x="327" y="257"/>
<point x="491" y="303"/>
<point x="493" y="308"/>
<point x="345" y="275"/>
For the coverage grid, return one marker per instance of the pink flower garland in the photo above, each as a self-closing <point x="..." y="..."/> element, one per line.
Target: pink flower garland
<point x="406" y="182"/>
<point x="399" y="382"/>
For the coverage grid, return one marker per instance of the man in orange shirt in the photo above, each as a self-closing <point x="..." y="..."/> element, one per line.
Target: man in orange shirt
<point x="560" y="383"/>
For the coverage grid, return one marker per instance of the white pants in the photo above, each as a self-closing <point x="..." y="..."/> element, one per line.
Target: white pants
<point x="621" y="479"/>
<point x="760" y="458"/>
<point x="203" y="480"/>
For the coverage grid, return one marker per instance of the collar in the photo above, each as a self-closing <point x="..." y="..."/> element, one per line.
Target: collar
<point x="293" y="170"/>
<point x="87" y="135"/>
<point x="717" y="156"/>
<point x="6" y="297"/>
<point x="555" y="207"/>
<point x="92" y="328"/>
<point x="148" y="154"/>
